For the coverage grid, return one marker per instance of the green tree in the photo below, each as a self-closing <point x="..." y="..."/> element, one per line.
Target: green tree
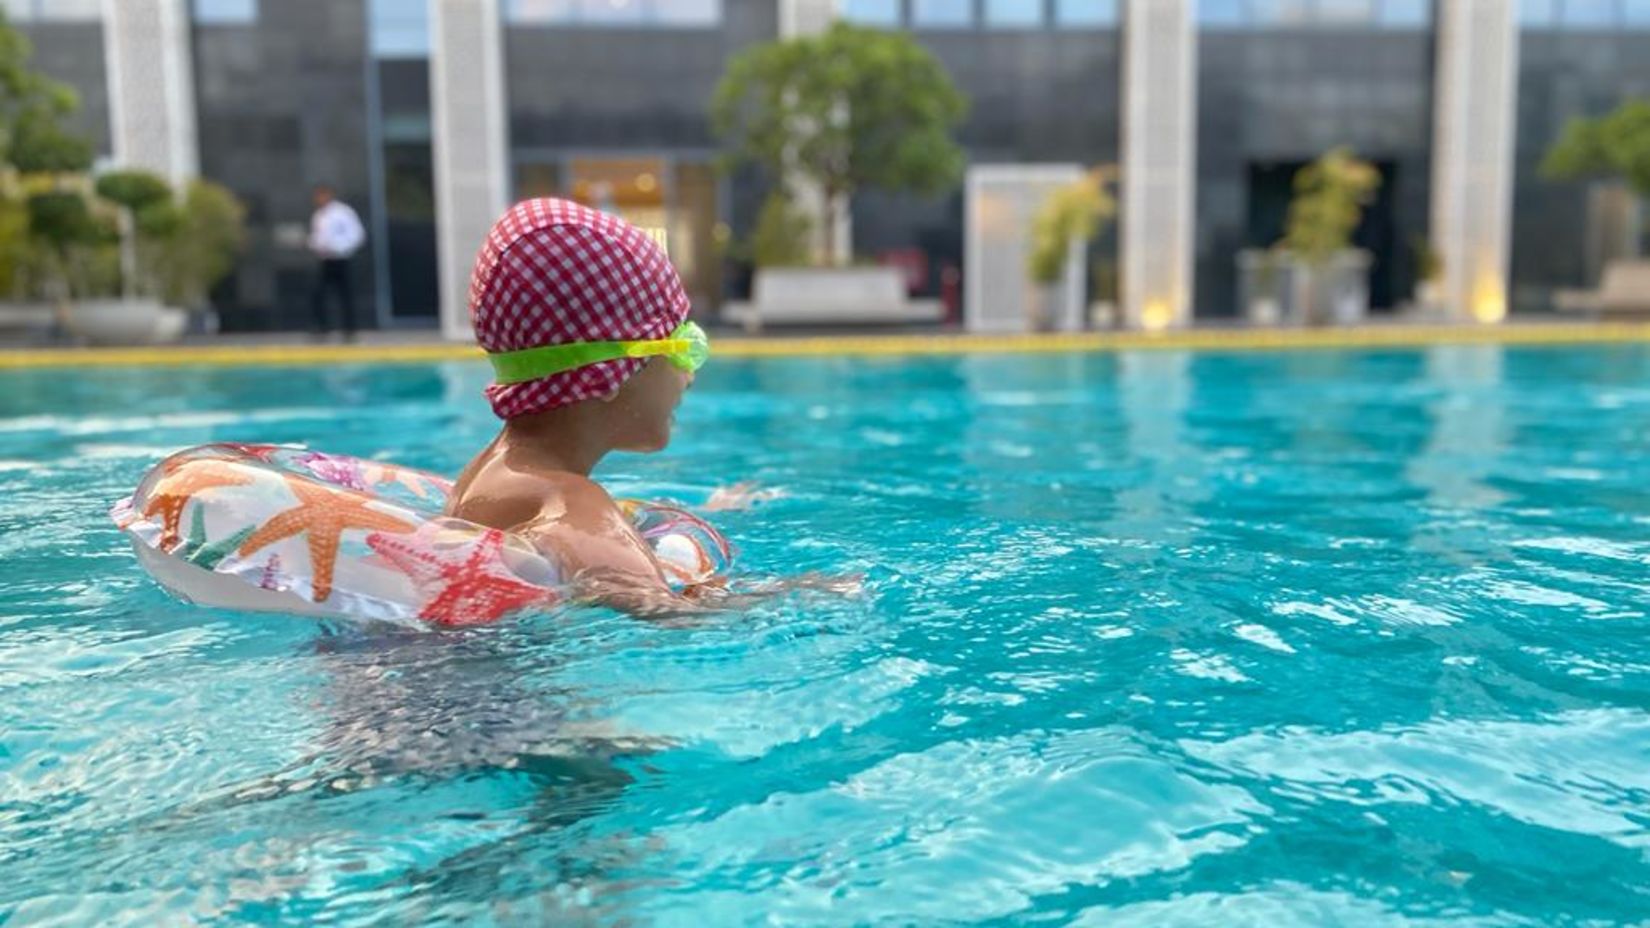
<point x="147" y="214"/>
<point x="201" y="250"/>
<point x="1615" y="144"/>
<point x="781" y="235"/>
<point x="32" y="110"/>
<point x="847" y="110"/>
<point x="43" y="219"/>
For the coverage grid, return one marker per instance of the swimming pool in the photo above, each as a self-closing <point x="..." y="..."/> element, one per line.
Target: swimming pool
<point x="1151" y="638"/>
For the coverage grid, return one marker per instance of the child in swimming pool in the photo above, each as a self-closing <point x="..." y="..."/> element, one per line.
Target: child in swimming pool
<point x="585" y="323"/>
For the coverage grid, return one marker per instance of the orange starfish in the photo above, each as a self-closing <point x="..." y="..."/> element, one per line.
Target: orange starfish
<point x="325" y="514"/>
<point x="180" y="483"/>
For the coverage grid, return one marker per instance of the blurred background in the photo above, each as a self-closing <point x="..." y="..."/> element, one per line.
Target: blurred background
<point x="1154" y="150"/>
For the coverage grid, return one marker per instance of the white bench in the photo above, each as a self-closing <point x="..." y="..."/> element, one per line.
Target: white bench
<point x="831" y="295"/>
<point x="1625" y="290"/>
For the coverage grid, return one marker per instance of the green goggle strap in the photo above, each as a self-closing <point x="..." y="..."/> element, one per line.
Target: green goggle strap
<point x="687" y="348"/>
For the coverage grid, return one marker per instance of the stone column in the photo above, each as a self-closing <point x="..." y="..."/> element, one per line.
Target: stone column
<point x="1159" y="178"/>
<point x="1475" y="108"/>
<point x="150" y="63"/>
<point x="470" y="137"/>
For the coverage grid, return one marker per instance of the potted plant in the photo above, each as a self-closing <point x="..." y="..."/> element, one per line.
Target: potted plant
<point x="1068" y="219"/>
<point x="1429" y="278"/>
<point x="1330" y="196"/>
<point x="1615" y="145"/>
<point x="849" y="109"/>
<point x="1104" y="278"/>
<point x="1262" y="268"/>
<point x="200" y="249"/>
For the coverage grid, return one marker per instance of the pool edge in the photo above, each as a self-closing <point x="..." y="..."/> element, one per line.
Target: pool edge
<point x="1381" y="336"/>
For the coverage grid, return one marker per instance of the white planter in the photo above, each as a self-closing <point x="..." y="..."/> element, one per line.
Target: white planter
<point x="126" y="322"/>
<point x="1265" y="310"/>
<point x="831" y="295"/>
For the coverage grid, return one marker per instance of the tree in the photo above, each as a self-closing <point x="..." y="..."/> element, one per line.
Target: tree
<point x="781" y="235"/>
<point x="1616" y="144"/>
<point x="32" y="109"/>
<point x="45" y="206"/>
<point x="201" y="250"/>
<point x="146" y="213"/>
<point x="849" y="109"/>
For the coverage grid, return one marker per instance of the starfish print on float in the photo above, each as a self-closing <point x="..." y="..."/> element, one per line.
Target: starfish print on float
<point x="467" y="584"/>
<point x="182" y="482"/>
<point x="325" y="515"/>
<point x="417" y="484"/>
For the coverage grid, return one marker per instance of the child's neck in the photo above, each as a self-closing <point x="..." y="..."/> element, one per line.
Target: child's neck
<point x="559" y="439"/>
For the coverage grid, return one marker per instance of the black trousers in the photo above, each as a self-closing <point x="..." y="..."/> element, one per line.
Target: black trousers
<point x="333" y="278"/>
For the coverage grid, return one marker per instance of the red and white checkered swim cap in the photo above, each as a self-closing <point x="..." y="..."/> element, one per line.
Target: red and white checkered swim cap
<point x="553" y="272"/>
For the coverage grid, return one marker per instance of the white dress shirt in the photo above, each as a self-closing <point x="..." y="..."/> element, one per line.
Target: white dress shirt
<point x="335" y="231"/>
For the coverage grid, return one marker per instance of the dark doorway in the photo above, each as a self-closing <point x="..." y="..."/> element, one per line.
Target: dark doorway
<point x="409" y="202"/>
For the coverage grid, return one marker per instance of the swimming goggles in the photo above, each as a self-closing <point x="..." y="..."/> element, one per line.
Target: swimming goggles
<point x="687" y="349"/>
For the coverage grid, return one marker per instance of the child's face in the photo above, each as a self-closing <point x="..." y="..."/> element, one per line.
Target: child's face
<point x="645" y="407"/>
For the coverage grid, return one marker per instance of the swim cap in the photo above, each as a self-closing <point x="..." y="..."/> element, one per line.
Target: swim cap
<point x="552" y="272"/>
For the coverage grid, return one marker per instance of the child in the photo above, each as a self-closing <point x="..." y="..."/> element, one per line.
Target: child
<point x="584" y="320"/>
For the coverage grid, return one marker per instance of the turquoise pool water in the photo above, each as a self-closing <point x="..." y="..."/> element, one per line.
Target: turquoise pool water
<point x="1307" y="638"/>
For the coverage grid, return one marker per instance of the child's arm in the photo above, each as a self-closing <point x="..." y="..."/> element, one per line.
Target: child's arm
<point x="740" y="497"/>
<point x="606" y="560"/>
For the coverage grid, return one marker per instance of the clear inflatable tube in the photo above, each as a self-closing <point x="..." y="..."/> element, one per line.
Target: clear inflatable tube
<point x="283" y="529"/>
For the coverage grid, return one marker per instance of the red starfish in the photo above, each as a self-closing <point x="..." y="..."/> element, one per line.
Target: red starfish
<point x="325" y="514"/>
<point x="180" y="483"/>
<point x="468" y="585"/>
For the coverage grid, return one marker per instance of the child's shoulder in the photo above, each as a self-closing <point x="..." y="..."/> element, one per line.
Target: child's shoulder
<point x="509" y="498"/>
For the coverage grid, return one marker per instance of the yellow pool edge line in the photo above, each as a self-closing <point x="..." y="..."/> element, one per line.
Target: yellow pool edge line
<point x="1378" y="336"/>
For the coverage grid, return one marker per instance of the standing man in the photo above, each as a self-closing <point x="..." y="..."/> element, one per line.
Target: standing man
<point x="335" y="235"/>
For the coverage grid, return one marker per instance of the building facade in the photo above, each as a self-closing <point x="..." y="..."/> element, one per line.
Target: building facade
<point x="605" y="101"/>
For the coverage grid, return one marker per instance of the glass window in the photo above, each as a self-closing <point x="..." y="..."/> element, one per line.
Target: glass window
<point x="608" y="12"/>
<point x="669" y="13"/>
<point x="1537" y="12"/>
<point x="61" y="10"/>
<point x="226" y="11"/>
<point x="1085" y="12"/>
<point x="942" y="13"/>
<point x="1282" y="12"/>
<point x="1635" y="12"/>
<point x="687" y="12"/>
<point x="539" y="11"/>
<point x="1346" y="12"/>
<point x="1014" y="14"/>
<point x="871" y="12"/>
<point x="1587" y="14"/>
<point x="1414" y="13"/>
<point x="400" y="28"/>
<point x="1223" y="12"/>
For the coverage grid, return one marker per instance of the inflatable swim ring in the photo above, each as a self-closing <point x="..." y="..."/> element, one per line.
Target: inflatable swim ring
<point x="274" y="528"/>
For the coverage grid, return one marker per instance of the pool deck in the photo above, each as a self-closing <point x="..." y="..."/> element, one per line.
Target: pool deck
<point x="426" y="346"/>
